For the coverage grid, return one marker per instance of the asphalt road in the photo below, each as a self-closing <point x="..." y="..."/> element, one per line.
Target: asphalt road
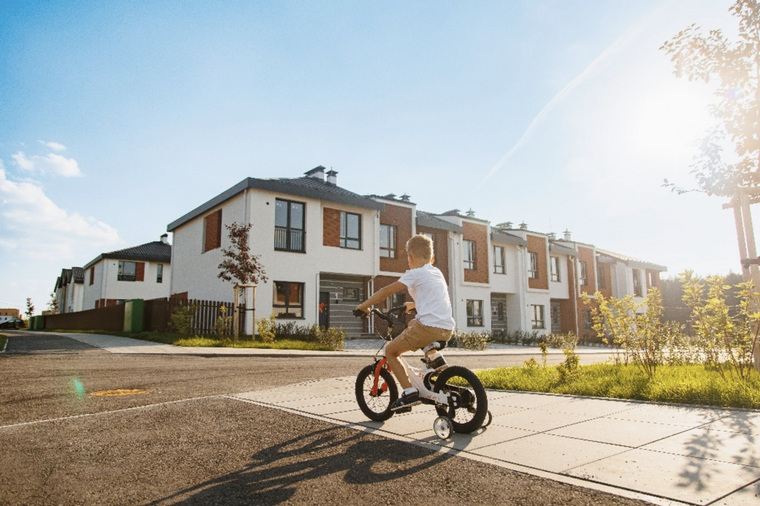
<point x="183" y="441"/>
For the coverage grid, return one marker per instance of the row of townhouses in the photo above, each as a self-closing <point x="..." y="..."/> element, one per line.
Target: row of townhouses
<point x="325" y="249"/>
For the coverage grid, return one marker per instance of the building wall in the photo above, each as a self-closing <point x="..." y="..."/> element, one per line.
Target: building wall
<point x="538" y="245"/>
<point x="440" y="250"/>
<point x="402" y="218"/>
<point x="588" y="256"/>
<point x="560" y="289"/>
<point x="479" y="234"/>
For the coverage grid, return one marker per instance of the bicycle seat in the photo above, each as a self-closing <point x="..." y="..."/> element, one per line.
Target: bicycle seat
<point x="438" y="345"/>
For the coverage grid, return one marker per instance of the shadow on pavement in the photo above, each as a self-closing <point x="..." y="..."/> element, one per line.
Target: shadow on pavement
<point x="276" y="473"/>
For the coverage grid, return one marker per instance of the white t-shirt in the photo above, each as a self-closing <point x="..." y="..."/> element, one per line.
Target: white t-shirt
<point x="427" y="287"/>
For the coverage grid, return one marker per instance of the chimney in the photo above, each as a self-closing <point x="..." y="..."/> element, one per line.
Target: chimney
<point x="406" y="198"/>
<point x="523" y="226"/>
<point x="470" y="213"/>
<point x="567" y="235"/>
<point x="317" y="172"/>
<point x="332" y="177"/>
<point x="552" y="236"/>
<point x="165" y="238"/>
<point x="506" y="224"/>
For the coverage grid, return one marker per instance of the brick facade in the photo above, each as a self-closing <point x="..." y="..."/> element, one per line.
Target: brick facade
<point x="587" y="255"/>
<point x="331" y="227"/>
<point x="537" y="245"/>
<point x="401" y="218"/>
<point x="440" y="249"/>
<point x="479" y="235"/>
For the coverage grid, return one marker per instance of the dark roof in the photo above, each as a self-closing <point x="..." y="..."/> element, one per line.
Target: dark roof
<point x="561" y="250"/>
<point x="503" y="237"/>
<point x="308" y="187"/>
<point x="156" y="251"/>
<point x="629" y="261"/>
<point x="432" y="221"/>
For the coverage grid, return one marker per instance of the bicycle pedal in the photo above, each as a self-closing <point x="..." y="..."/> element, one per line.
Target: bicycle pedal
<point x="407" y="409"/>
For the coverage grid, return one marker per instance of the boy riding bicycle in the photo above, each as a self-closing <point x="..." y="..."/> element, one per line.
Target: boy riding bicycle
<point x="434" y="322"/>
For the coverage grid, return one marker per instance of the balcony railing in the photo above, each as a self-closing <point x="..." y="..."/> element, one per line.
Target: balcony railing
<point x="288" y="239"/>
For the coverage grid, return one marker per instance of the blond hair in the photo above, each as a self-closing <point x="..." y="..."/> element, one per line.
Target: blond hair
<point x="420" y="246"/>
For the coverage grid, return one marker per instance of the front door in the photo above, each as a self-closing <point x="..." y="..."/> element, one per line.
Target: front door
<point x="324" y="309"/>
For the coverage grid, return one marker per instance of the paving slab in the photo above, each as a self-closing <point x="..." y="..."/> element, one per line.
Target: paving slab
<point x="661" y="453"/>
<point x="689" y="479"/>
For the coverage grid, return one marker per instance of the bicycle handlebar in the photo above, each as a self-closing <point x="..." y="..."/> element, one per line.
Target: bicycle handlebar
<point x="387" y="316"/>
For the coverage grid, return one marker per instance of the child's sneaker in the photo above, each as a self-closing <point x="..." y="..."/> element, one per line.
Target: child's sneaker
<point x="406" y="401"/>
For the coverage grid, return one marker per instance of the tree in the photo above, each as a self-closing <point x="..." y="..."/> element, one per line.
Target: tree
<point x="29" y="308"/>
<point x="239" y="266"/>
<point x="53" y="304"/>
<point x="735" y="66"/>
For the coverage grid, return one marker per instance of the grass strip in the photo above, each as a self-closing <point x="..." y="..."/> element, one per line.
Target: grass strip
<point x="687" y="384"/>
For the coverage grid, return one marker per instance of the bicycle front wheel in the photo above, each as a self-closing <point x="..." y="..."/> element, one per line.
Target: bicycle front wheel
<point x="468" y="403"/>
<point x="376" y="406"/>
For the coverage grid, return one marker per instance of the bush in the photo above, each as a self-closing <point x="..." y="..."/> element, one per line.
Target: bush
<point x="471" y="340"/>
<point x="265" y="327"/>
<point x="181" y="319"/>
<point x="332" y="337"/>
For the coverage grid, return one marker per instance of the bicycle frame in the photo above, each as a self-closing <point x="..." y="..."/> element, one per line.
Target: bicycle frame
<point x="416" y="375"/>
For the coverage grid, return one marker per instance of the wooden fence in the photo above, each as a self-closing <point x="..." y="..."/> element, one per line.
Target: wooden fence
<point x="157" y="316"/>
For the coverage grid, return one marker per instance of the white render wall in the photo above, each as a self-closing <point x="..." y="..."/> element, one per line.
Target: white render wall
<point x="559" y="289"/>
<point x="196" y="272"/>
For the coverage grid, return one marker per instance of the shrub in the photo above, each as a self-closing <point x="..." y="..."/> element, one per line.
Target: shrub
<point x="265" y="327"/>
<point x="471" y="340"/>
<point x="181" y="319"/>
<point x="223" y="324"/>
<point x="332" y="337"/>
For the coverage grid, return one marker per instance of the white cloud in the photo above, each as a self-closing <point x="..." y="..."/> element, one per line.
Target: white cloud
<point x="34" y="226"/>
<point x="55" y="146"/>
<point x="49" y="164"/>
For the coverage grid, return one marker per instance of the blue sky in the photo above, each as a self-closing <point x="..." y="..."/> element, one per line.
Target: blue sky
<point x="116" y="118"/>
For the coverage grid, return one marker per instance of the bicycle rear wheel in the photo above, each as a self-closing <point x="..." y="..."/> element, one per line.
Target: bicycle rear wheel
<point x="468" y="403"/>
<point x="377" y="407"/>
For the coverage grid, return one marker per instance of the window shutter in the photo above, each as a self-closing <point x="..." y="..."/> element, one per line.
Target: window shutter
<point x="140" y="272"/>
<point x="212" y="231"/>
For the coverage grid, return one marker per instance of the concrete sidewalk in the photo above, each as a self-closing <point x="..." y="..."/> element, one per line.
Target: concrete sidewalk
<point x="665" y="454"/>
<point x="659" y="453"/>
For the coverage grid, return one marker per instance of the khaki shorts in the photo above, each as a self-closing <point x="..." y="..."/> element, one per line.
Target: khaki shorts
<point x="416" y="336"/>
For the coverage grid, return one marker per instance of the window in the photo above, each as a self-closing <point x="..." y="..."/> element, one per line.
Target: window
<point x="288" y="300"/>
<point x="474" y="313"/>
<point x="160" y="273"/>
<point x="637" y="291"/>
<point x="469" y="255"/>
<point x="555" y="268"/>
<point x="583" y="274"/>
<point x="350" y="293"/>
<point x="127" y="271"/>
<point x="92" y="275"/>
<point x="555" y="313"/>
<point x="212" y="231"/>
<point x="350" y="230"/>
<point x="498" y="260"/>
<point x="600" y="280"/>
<point x="289" y="228"/>
<point x="533" y="269"/>
<point x="387" y="241"/>
<point x="587" y="323"/>
<point x="537" y="316"/>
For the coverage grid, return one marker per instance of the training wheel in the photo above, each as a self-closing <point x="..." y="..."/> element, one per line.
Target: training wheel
<point x="488" y="420"/>
<point x="443" y="427"/>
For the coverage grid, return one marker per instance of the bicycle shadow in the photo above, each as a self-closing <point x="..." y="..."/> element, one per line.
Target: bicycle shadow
<point x="275" y="473"/>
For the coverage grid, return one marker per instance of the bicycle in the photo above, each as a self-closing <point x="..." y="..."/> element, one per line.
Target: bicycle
<point x="457" y="393"/>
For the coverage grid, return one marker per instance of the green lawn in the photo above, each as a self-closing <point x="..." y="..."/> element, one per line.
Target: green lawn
<point x="690" y="384"/>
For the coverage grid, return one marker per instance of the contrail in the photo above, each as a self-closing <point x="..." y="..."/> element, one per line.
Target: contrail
<point x="619" y="44"/>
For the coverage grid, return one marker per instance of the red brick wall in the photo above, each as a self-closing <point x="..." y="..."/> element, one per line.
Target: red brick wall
<point x="401" y="218"/>
<point x="607" y="273"/>
<point x="331" y="227"/>
<point x="212" y="232"/>
<point x="587" y="255"/>
<point x="537" y="245"/>
<point x="479" y="235"/>
<point x="440" y="249"/>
